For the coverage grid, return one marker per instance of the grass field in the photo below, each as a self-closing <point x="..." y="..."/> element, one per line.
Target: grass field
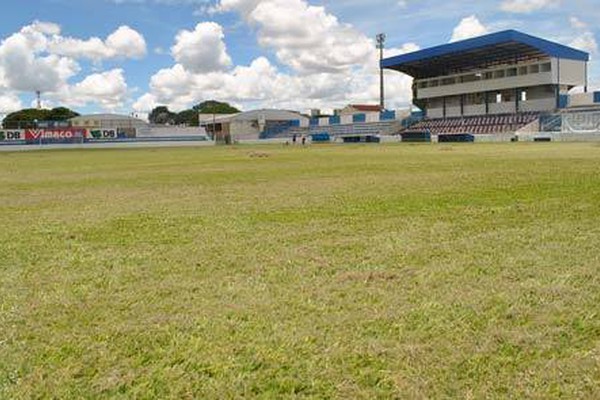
<point x="423" y="271"/>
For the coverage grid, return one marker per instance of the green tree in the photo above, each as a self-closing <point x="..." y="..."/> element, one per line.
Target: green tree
<point x="215" y="107"/>
<point x="187" y="117"/>
<point x="162" y="116"/>
<point x="61" y="114"/>
<point x="28" y="118"/>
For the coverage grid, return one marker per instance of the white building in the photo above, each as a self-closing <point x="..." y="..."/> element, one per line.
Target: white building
<point x="107" y="121"/>
<point x="253" y="125"/>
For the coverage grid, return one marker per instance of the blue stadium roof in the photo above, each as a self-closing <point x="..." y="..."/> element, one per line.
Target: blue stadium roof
<point x="484" y="51"/>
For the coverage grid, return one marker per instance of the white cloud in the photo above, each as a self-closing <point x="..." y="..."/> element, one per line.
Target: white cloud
<point x="304" y="37"/>
<point x="586" y="41"/>
<point x="126" y="42"/>
<point x="264" y="84"/>
<point x="24" y="70"/>
<point x="527" y="6"/>
<point x="203" y="49"/>
<point x="467" y="28"/>
<point x="330" y="63"/>
<point x="39" y="58"/>
<point x="122" y="43"/>
<point x="9" y="102"/>
<point x="145" y="103"/>
<point x="107" y="89"/>
<point x="576" y="23"/>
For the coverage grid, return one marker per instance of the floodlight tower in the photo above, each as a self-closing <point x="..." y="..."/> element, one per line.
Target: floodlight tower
<point x="381" y="45"/>
<point x="38" y="95"/>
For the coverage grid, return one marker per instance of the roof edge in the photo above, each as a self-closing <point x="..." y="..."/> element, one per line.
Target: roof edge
<point x="551" y="48"/>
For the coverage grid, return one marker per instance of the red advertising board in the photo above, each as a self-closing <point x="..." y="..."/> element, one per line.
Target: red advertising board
<point x="67" y="133"/>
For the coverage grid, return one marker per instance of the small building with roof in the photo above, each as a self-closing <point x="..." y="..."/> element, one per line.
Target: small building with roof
<point x="107" y="121"/>
<point x="252" y="125"/>
<point x="353" y="109"/>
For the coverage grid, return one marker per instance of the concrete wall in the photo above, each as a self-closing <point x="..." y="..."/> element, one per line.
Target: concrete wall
<point x="346" y="119"/>
<point x="90" y="122"/>
<point x="494" y="84"/>
<point x="246" y="129"/>
<point x="503" y="108"/>
<point x="572" y="72"/>
<point x="435" y="113"/>
<point x="452" y="112"/>
<point x="474" y="110"/>
<point x="373" y="117"/>
<point x="537" y="105"/>
<point x="561" y="137"/>
<point x="170" y="131"/>
<point x="581" y="99"/>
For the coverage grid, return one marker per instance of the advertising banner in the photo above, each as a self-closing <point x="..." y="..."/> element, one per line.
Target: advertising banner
<point x="67" y="134"/>
<point x="11" y="135"/>
<point x="103" y="134"/>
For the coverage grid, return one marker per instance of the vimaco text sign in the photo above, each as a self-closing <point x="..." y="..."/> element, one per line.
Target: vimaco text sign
<point x="54" y="135"/>
<point x="11" y="135"/>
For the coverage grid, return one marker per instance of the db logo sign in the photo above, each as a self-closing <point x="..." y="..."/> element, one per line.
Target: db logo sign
<point x="104" y="134"/>
<point x="11" y="135"/>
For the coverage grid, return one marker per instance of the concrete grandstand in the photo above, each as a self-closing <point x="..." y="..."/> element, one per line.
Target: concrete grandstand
<point x="253" y="125"/>
<point x="499" y="84"/>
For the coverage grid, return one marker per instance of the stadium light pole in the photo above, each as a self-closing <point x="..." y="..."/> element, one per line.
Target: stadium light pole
<point x="381" y="45"/>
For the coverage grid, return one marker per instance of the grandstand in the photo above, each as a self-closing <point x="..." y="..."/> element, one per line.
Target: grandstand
<point x="497" y="84"/>
<point x="253" y="125"/>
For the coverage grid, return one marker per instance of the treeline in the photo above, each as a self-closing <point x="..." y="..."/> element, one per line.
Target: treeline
<point x="163" y="116"/>
<point x="29" y="118"/>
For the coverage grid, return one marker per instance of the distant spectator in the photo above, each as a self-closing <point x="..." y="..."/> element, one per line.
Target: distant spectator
<point x="294" y="138"/>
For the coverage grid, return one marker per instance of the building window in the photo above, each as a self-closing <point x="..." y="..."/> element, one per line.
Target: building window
<point x="534" y="69"/>
<point x="498" y="97"/>
<point x="546" y="67"/>
<point x="511" y="72"/>
<point x="474" y="99"/>
<point x="488" y="75"/>
<point x="499" y="74"/>
<point x="523" y="71"/>
<point x="523" y="95"/>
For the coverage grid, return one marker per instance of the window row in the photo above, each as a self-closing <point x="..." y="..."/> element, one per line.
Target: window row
<point x="499" y="74"/>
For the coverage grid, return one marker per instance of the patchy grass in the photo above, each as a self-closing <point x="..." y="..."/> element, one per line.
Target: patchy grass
<point x="466" y="271"/>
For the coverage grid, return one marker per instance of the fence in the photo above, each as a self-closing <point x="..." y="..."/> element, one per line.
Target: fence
<point x="572" y="124"/>
<point x="78" y="136"/>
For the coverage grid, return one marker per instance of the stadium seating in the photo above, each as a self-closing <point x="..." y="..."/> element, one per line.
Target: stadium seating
<point x="479" y="125"/>
<point x="360" y="129"/>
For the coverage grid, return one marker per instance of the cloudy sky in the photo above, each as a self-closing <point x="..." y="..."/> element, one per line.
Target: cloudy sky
<point x="131" y="55"/>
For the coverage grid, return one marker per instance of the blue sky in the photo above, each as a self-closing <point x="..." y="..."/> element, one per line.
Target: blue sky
<point x="254" y="53"/>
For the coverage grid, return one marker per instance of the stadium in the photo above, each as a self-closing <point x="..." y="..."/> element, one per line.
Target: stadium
<point x="505" y="86"/>
<point x="431" y="252"/>
<point x="497" y="86"/>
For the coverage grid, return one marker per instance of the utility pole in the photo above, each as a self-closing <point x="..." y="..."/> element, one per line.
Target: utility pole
<point x="381" y="45"/>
